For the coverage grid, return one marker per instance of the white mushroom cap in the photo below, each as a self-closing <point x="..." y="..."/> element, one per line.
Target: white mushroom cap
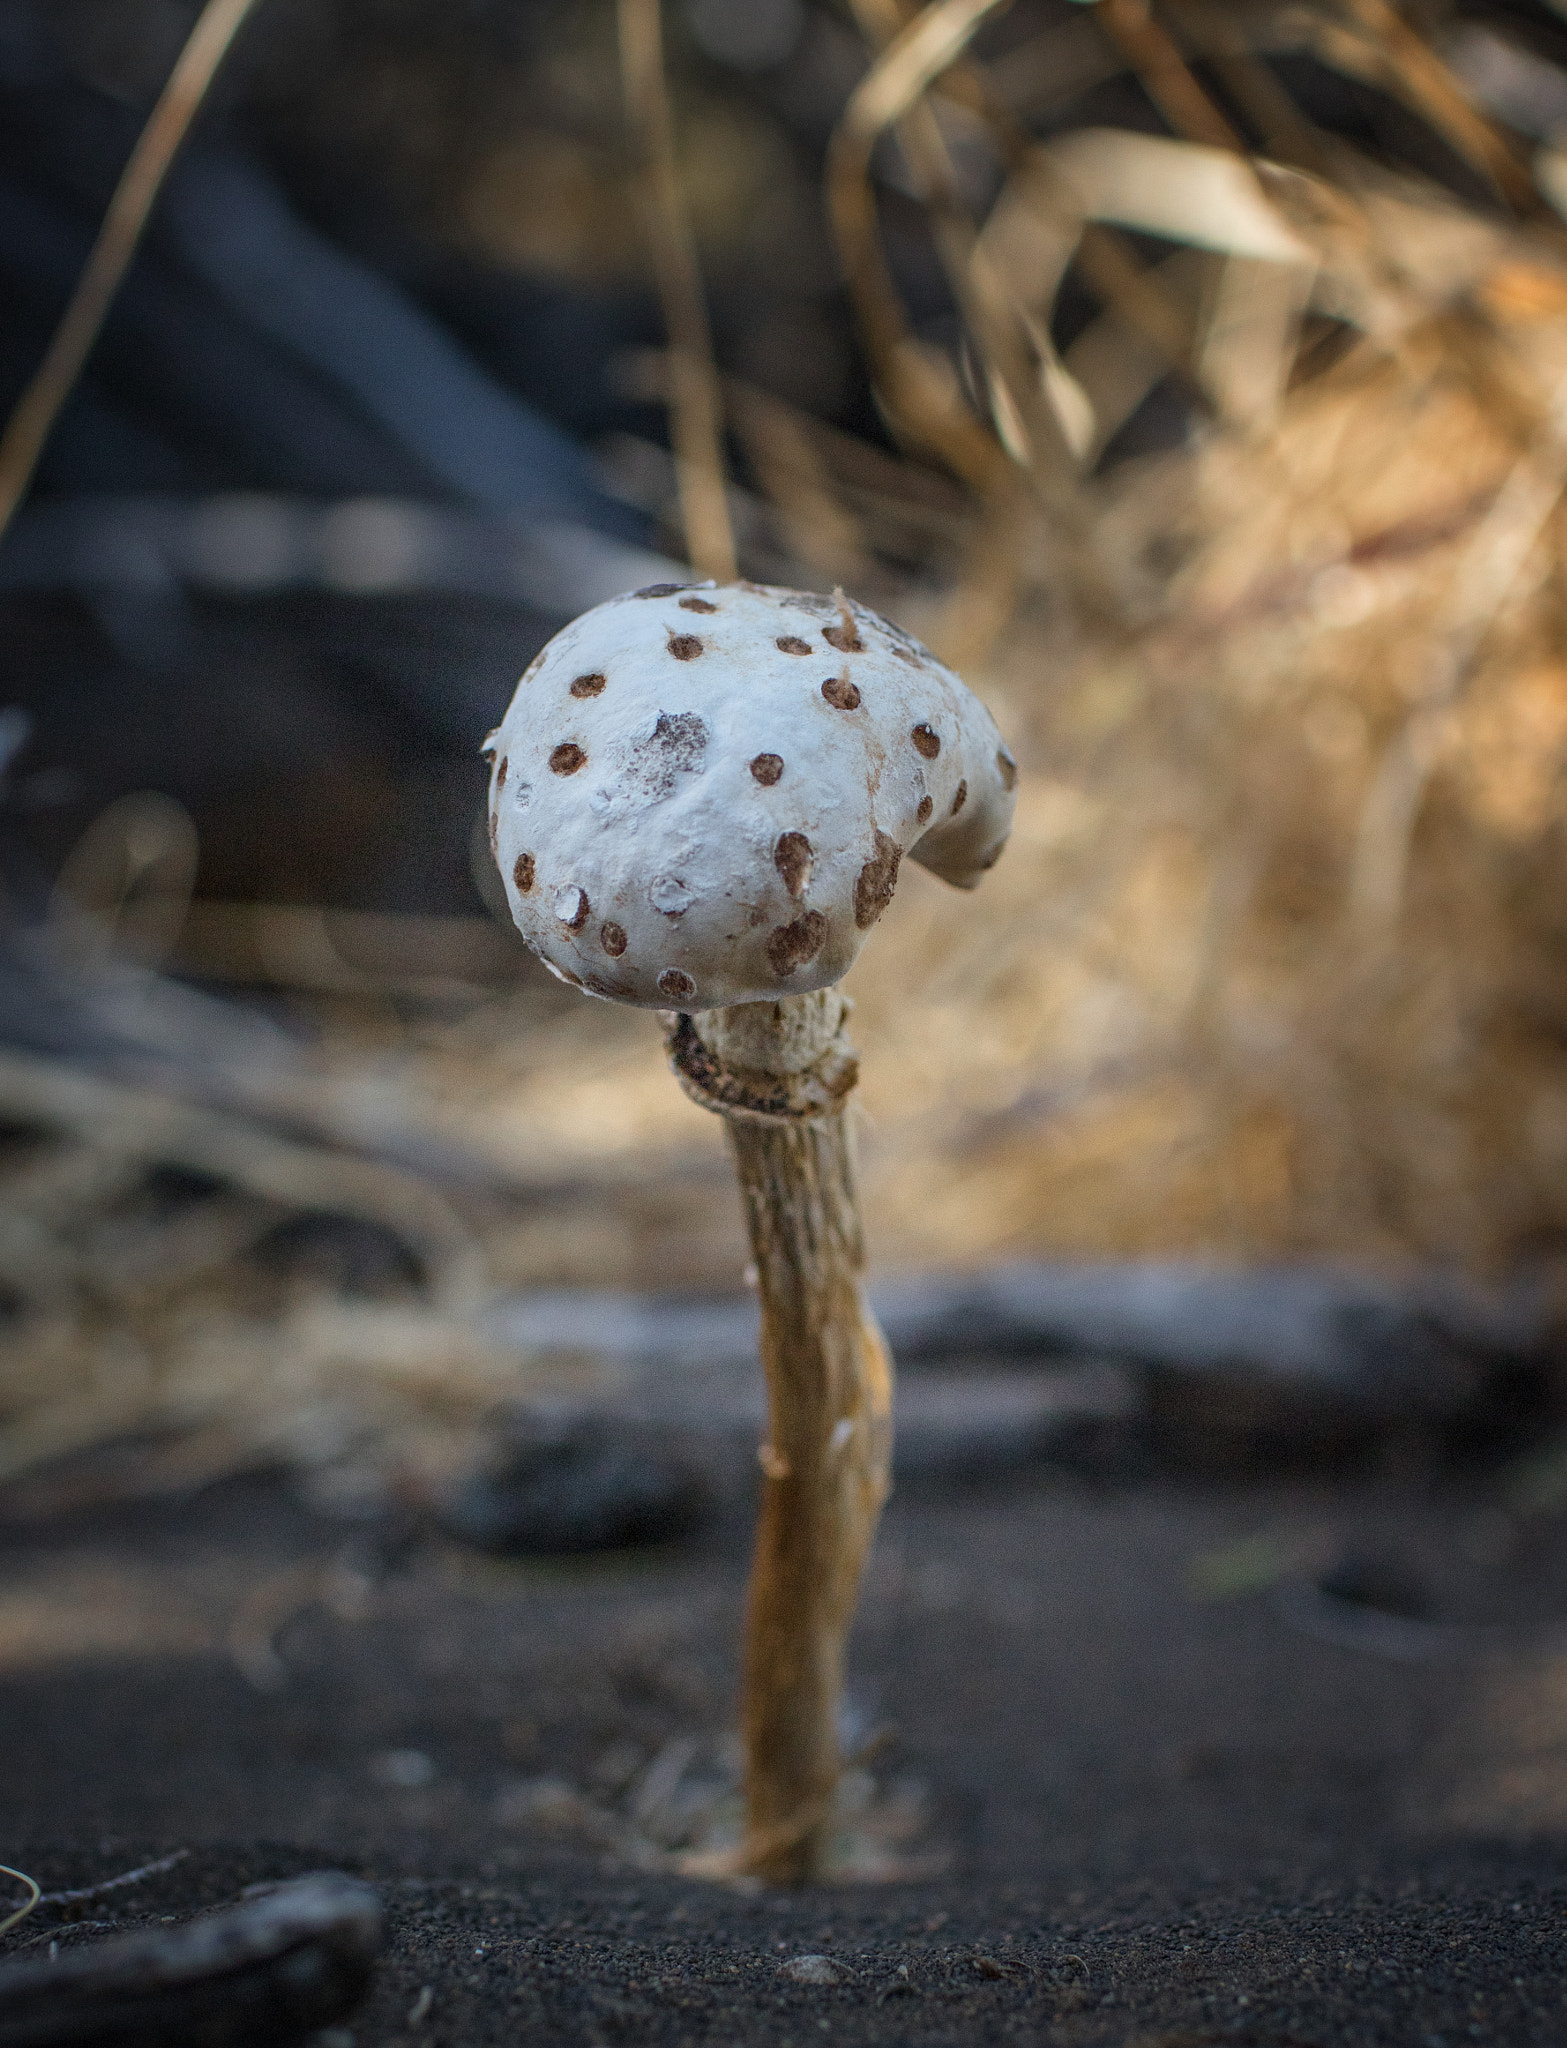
<point x="700" y="794"/>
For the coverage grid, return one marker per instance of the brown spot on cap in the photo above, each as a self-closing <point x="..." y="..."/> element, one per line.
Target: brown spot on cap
<point x="845" y="638"/>
<point x="600" y="985"/>
<point x="1006" y="768"/>
<point x="927" y="741"/>
<point x="572" y="907"/>
<point x="876" y="882"/>
<point x="567" y="758"/>
<point x="841" y="694"/>
<point x="588" y="686"/>
<point x="959" y="799"/>
<point x="791" y="643"/>
<point x="793" y="858"/>
<point x="791" y="945"/>
<point x="487" y="752"/>
<point x="696" y="604"/>
<point x="675" y="983"/>
<point x="495" y="828"/>
<point x="904" y="654"/>
<point x="767" y="768"/>
<point x="500" y="774"/>
<point x="612" y="938"/>
<point x="684" y="646"/>
<point x="660" y="589"/>
<point x="927" y="805"/>
<point x="523" y="872"/>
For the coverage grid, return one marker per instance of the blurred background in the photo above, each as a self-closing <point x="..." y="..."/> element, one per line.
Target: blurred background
<point x="1192" y="376"/>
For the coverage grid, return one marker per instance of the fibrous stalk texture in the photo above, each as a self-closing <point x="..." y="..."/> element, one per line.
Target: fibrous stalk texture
<point x="825" y="1474"/>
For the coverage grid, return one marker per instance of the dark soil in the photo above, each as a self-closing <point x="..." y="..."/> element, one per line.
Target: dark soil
<point x="1182" y="1799"/>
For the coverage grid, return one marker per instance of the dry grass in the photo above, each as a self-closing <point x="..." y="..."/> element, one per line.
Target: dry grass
<point x="1272" y="966"/>
<point x="1268" y="968"/>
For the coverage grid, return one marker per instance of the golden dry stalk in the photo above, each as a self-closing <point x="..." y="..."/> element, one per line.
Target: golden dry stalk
<point x="826" y="1463"/>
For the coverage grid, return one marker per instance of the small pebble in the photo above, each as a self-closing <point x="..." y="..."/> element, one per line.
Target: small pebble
<point x="811" y="1970"/>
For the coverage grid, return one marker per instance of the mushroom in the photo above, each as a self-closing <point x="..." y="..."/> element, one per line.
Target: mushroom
<point x="700" y="796"/>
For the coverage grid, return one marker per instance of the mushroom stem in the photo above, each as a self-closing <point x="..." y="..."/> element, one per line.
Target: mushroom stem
<point x="828" y="1451"/>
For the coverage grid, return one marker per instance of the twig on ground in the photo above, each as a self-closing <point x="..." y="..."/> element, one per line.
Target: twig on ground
<point x="68" y="1928"/>
<point x="83" y="1893"/>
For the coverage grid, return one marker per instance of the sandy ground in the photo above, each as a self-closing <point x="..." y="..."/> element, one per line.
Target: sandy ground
<point x="1159" y="1797"/>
